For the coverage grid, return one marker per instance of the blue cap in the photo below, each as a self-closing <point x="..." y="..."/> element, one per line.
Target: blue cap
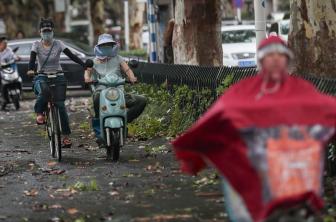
<point x="105" y="38"/>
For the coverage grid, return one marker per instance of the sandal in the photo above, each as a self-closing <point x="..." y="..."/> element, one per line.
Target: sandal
<point x="40" y="120"/>
<point x="67" y="142"/>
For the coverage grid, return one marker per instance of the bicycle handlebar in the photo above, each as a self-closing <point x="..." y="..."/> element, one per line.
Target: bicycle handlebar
<point x="42" y="72"/>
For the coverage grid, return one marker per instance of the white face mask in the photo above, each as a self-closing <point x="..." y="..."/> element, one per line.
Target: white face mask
<point x="47" y="36"/>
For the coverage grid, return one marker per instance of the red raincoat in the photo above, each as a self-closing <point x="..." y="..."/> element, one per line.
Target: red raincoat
<point x="270" y="149"/>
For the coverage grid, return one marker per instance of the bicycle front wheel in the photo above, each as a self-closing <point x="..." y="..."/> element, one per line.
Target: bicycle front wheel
<point x="57" y="133"/>
<point x="50" y="132"/>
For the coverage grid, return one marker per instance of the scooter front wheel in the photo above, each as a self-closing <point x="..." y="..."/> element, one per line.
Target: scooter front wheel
<point x="113" y="144"/>
<point x="16" y="101"/>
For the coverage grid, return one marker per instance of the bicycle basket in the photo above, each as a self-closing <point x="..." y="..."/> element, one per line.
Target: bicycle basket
<point x="55" y="90"/>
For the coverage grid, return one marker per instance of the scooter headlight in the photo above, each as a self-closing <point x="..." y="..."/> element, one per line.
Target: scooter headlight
<point x="112" y="94"/>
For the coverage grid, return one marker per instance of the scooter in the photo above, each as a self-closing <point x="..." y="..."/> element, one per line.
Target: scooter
<point x="112" y="115"/>
<point x="11" y="82"/>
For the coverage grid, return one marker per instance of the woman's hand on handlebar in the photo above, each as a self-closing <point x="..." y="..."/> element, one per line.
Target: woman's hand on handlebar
<point x="133" y="79"/>
<point x="88" y="80"/>
<point x="31" y="73"/>
<point x="87" y="75"/>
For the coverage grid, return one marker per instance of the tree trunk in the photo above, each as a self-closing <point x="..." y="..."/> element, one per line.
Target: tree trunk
<point x="137" y="11"/>
<point x="97" y="16"/>
<point x="15" y="18"/>
<point x="313" y="36"/>
<point x="197" y="33"/>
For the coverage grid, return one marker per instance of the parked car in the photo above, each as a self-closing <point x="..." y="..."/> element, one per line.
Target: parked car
<point x="281" y="28"/>
<point x="75" y="72"/>
<point x="239" y="45"/>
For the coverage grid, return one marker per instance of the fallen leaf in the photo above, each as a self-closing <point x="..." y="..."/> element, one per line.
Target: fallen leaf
<point x="160" y="218"/>
<point x="65" y="192"/>
<point x="53" y="171"/>
<point x="55" y="206"/>
<point x="209" y="194"/>
<point x="114" y="193"/>
<point x="3" y="217"/>
<point x="52" y="163"/>
<point x="31" y="193"/>
<point x="55" y="219"/>
<point x="40" y="207"/>
<point x="72" y="211"/>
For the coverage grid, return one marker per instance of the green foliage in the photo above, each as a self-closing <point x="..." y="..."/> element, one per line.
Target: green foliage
<point x="170" y="112"/>
<point x="141" y="53"/>
<point x="225" y="84"/>
<point x="155" y="150"/>
<point x="81" y="219"/>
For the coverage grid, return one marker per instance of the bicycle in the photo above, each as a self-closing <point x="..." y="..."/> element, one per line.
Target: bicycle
<point x="55" y="91"/>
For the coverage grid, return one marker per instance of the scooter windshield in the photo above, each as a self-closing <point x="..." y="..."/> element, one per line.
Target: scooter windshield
<point x="112" y="80"/>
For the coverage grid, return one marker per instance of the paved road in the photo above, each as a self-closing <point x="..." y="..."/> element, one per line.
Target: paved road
<point x="145" y="185"/>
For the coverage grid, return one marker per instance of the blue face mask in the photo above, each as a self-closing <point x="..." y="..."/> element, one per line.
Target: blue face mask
<point x="47" y="36"/>
<point x="103" y="52"/>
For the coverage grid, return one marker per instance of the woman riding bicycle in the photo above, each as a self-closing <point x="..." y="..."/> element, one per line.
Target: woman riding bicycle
<point x="48" y="51"/>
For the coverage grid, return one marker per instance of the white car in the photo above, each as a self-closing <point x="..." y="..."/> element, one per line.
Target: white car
<point x="239" y="45"/>
<point x="281" y="28"/>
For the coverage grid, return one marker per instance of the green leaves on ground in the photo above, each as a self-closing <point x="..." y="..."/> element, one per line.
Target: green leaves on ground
<point x="81" y="186"/>
<point x="85" y="126"/>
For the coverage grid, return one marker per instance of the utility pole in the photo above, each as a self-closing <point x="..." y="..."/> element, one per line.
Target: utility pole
<point x="126" y="21"/>
<point x="68" y="12"/>
<point x="91" y="36"/>
<point x="275" y="5"/>
<point x="152" y="30"/>
<point x="260" y="20"/>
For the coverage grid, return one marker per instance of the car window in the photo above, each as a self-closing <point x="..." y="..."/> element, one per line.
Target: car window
<point x="285" y="28"/>
<point x="81" y="47"/>
<point x="238" y="36"/>
<point x="274" y="28"/>
<point x="24" y="49"/>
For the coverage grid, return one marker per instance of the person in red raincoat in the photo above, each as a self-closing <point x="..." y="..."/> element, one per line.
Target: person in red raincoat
<point x="266" y="136"/>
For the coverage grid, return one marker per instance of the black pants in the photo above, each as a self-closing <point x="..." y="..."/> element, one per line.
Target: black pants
<point x="135" y="105"/>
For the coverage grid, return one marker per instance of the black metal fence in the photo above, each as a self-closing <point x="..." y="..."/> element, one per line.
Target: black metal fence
<point x="209" y="77"/>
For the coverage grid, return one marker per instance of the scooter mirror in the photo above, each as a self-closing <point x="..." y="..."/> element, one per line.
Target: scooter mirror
<point x="89" y="63"/>
<point x="16" y="49"/>
<point x="133" y="63"/>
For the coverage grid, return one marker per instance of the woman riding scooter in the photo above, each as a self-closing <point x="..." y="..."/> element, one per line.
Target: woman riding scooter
<point x="6" y="54"/>
<point x="108" y="62"/>
<point x="48" y="51"/>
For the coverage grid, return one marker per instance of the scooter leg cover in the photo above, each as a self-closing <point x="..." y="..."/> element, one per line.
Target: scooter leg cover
<point x="96" y="127"/>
